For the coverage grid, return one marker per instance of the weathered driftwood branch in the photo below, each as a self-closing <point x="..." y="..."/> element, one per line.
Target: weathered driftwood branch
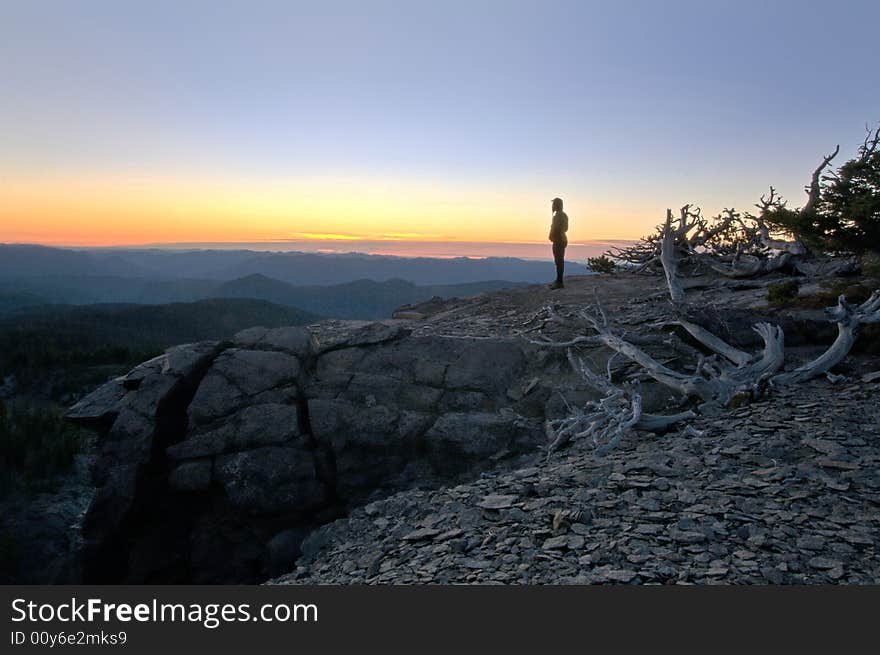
<point x="606" y="421"/>
<point x="716" y="381"/>
<point x="815" y="187"/>
<point x="668" y="256"/>
<point x="766" y="254"/>
<point x="795" y="247"/>
<point x="869" y="146"/>
<point x="754" y="265"/>
<point x="714" y="343"/>
<point x="749" y="375"/>
<point x="729" y="373"/>
<point x="848" y="320"/>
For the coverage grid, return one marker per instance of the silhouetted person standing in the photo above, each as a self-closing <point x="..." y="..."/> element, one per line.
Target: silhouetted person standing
<point x="558" y="228"/>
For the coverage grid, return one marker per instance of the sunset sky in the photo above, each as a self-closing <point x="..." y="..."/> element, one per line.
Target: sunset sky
<point x="163" y="122"/>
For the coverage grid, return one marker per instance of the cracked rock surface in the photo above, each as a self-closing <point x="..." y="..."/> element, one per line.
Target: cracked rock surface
<point x="216" y="459"/>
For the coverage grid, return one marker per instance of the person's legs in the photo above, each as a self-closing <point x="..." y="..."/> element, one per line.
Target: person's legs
<point x="559" y="258"/>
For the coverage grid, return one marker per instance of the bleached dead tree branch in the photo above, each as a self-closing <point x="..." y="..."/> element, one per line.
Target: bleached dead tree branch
<point x="606" y="421"/>
<point x="815" y="187"/>
<point x="848" y="319"/>
<point x="668" y="256"/>
<point x="717" y="381"/>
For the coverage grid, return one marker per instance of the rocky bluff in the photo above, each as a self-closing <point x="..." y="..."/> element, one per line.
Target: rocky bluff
<point x="215" y="460"/>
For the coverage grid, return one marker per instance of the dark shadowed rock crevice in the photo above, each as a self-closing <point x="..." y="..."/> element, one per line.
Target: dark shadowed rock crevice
<point x="148" y="414"/>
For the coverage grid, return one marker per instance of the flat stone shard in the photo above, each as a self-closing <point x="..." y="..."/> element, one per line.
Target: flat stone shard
<point x="100" y="408"/>
<point x="498" y="501"/>
<point x="421" y="534"/>
<point x="183" y="361"/>
<point x="296" y="340"/>
<point x="555" y="543"/>
<point x="334" y="335"/>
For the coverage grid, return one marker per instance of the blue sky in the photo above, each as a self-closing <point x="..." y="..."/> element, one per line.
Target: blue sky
<point x="619" y="105"/>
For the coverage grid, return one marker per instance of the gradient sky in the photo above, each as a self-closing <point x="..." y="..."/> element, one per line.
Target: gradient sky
<point x="126" y="123"/>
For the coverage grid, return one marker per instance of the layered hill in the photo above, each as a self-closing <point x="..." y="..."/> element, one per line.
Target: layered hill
<point x="361" y="299"/>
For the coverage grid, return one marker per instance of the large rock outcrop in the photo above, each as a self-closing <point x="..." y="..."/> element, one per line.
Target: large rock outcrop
<point x="216" y="459"/>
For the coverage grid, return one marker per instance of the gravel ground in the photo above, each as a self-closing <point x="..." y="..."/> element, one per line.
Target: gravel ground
<point x="783" y="491"/>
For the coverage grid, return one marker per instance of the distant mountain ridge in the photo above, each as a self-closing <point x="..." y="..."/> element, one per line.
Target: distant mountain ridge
<point x="358" y="299"/>
<point x="25" y="260"/>
<point x="299" y="268"/>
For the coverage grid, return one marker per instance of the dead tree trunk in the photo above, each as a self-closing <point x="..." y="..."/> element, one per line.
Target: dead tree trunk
<point x="669" y="259"/>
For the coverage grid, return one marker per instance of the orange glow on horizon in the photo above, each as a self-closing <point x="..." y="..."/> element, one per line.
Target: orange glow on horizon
<point x="116" y="210"/>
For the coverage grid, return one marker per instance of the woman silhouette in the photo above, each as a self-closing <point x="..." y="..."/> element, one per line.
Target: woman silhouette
<point x="558" y="228"/>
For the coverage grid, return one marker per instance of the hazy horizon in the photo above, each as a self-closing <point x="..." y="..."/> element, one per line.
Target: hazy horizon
<point x="539" y="251"/>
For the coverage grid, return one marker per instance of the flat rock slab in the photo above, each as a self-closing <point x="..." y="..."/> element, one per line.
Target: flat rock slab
<point x="497" y="501"/>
